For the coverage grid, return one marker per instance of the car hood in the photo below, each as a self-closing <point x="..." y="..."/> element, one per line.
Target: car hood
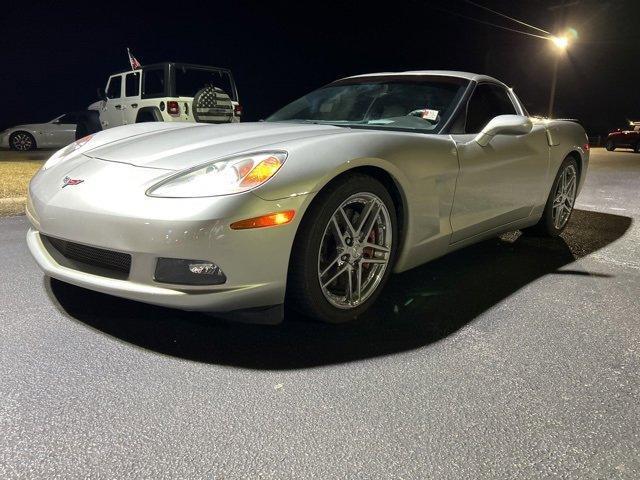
<point x="193" y="144"/>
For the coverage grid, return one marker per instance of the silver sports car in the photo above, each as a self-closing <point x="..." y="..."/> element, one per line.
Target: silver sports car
<point x="315" y="207"/>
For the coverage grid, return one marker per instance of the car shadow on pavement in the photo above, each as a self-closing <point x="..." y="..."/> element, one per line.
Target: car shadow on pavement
<point x="417" y="308"/>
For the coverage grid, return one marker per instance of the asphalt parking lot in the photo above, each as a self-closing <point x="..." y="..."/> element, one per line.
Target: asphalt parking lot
<point x="514" y="358"/>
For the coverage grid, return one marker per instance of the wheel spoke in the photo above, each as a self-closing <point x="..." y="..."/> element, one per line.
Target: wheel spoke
<point x="375" y="246"/>
<point x="337" y="233"/>
<point x="380" y="261"/>
<point x="368" y="226"/>
<point x="335" y="260"/>
<point x="340" y="272"/>
<point x="364" y="216"/>
<point x="557" y="214"/>
<point x="350" y="292"/>
<point x="569" y="201"/>
<point x="557" y="202"/>
<point x="352" y="230"/>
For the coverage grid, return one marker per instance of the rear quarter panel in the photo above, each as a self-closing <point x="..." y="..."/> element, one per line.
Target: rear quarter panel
<point x="567" y="138"/>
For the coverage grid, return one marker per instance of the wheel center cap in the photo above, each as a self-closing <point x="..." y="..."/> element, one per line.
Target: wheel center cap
<point x="354" y="251"/>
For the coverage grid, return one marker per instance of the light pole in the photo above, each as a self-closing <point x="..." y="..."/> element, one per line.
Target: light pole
<point x="560" y="43"/>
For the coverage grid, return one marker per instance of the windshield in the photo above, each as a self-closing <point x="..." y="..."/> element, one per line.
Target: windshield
<point x="396" y="103"/>
<point x="189" y="80"/>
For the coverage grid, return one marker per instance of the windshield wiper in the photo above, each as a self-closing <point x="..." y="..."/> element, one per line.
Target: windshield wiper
<point x="315" y="122"/>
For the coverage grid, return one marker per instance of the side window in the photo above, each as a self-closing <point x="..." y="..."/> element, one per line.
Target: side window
<point x="487" y="102"/>
<point x="114" y="88"/>
<point x="153" y="83"/>
<point x="132" y="84"/>
<point x="69" y="118"/>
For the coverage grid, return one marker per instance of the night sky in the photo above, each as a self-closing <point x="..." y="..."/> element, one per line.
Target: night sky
<point x="55" y="54"/>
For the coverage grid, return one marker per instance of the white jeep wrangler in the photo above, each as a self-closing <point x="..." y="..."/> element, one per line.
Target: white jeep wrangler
<point x="169" y="92"/>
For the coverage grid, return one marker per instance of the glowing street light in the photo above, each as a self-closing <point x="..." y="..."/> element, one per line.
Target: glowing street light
<point x="561" y="43"/>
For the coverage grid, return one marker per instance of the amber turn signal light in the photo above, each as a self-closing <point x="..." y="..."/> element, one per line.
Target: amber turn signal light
<point x="268" y="220"/>
<point x="263" y="171"/>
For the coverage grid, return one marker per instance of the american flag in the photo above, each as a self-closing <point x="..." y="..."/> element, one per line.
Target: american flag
<point x="135" y="64"/>
<point x="212" y="105"/>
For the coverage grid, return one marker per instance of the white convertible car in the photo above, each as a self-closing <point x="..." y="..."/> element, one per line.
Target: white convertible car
<point x="59" y="132"/>
<point x="313" y="208"/>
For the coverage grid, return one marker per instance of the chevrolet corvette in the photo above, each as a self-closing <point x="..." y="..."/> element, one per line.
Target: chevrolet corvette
<point x="313" y="208"/>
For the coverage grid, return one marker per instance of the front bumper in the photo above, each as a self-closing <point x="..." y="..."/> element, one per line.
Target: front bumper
<point x="255" y="261"/>
<point x="215" y="299"/>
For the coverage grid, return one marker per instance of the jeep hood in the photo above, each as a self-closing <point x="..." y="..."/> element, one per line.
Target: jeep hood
<point x="182" y="146"/>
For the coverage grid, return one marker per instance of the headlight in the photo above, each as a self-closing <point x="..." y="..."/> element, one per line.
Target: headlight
<point x="66" y="151"/>
<point x="222" y="177"/>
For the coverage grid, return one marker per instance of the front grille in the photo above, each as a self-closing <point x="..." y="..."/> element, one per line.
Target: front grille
<point x="97" y="257"/>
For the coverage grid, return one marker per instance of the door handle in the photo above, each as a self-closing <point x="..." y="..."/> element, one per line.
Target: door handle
<point x="134" y="105"/>
<point x="118" y="107"/>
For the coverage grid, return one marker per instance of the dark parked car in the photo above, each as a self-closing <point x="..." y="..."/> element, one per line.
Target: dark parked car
<point x="624" y="138"/>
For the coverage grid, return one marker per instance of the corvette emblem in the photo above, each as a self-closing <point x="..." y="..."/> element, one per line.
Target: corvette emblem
<point x="67" y="181"/>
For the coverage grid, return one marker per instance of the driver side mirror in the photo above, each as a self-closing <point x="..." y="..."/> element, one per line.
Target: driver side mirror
<point x="101" y="94"/>
<point x="504" y="125"/>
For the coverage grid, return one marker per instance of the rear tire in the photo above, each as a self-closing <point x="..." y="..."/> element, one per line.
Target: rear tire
<point x="636" y="149"/>
<point x="561" y="201"/>
<point x="22" y="141"/>
<point x="335" y="273"/>
<point x="149" y="115"/>
<point x="610" y="145"/>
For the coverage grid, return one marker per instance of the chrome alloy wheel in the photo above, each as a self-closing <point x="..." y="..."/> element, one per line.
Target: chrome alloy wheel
<point x="21" y="141"/>
<point x="565" y="196"/>
<point x="355" y="250"/>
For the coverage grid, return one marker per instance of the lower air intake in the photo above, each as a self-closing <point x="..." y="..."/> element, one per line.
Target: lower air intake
<point x="97" y="257"/>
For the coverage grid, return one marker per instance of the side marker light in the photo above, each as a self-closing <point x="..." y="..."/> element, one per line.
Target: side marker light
<point x="268" y="220"/>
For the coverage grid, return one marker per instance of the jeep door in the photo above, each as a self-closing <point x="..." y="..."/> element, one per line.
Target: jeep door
<point x="112" y="112"/>
<point x="131" y="100"/>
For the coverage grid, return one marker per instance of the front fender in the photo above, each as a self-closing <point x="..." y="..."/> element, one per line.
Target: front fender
<point x="314" y="162"/>
<point x="424" y="168"/>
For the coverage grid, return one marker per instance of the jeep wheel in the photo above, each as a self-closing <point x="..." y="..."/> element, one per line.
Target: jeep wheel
<point x="149" y="114"/>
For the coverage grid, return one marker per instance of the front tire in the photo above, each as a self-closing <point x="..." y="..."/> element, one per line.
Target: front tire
<point x="22" y="141"/>
<point x="344" y="251"/>
<point x="610" y="145"/>
<point x="561" y="201"/>
<point x="636" y="149"/>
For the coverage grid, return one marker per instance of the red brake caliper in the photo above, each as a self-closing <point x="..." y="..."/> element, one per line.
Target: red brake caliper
<point x="368" y="252"/>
